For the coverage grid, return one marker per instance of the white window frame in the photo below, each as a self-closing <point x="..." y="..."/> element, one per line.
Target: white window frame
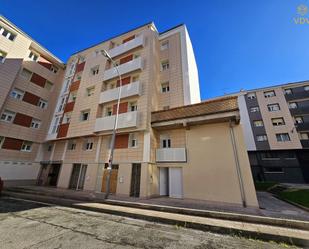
<point x="35" y="123"/>
<point x="2" y="56"/>
<point x="269" y="94"/>
<point x="261" y="138"/>
<point x="132" y="107"/>
<point x="273" y="107"/>
<point x="251" y="96"/>
<point x="258" y="123"/>
<point x="90" y="91"/>
<point x="283" y="137"/>
<point x="7" y="116"/>
<point x="298" y="120"/>
<point x="133" y="142"/>
<point x="71" y="144"/>
<point x="54" y="69"/>
<point x="165" y="142"/>
<point x="95" y="70"/>
<point x="33" y="56"/>
<point x="82" y="115"/>
<point x="164" y="45"/>
<point x="48" y="85"/>
<point x="277" y="121"/>
<point x="17" y="94"/>
<point x="165" y="65"/>
<point x="67" y="118"/>
<point x="254" y="109"/>
<point x="293" y="105"/>
<point x="26" y="74"/>
<point x="42" y="104"/>
<point x="7" y="34"/>
<point x="288" y="91"/>
<point x="26" y="146"/>
<point x="88" y="144"/>
<point x="165" y="87"/>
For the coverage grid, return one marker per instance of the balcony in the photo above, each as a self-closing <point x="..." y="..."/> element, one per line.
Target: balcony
<point x="125" y="120"/>
<point x="171" y="155"/>
<point x="305" y="143"/>
<point x="130" y="66"/>
<point x="301" y="94"/>
<point x="128" y="90"/>
<point x="302" y="126"/>
<point x="300" y="110"/>
<point x="125" y="47"/>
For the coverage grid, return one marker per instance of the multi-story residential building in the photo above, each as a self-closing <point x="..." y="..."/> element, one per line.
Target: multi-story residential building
<point x="276" y="127"/>
<point x="30" y="81"/>
<point x="167" y="142"/>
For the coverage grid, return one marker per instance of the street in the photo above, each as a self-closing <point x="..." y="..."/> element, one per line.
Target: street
<point x="26" y="224"/>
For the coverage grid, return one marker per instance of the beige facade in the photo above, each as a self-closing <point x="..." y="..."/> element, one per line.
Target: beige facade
<point x="180" y="159"/>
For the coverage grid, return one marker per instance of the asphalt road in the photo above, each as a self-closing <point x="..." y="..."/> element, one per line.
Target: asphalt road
<point x="25" y="224"/>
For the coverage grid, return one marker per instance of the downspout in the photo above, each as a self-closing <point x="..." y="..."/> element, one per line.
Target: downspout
<point x="238" y="170"/>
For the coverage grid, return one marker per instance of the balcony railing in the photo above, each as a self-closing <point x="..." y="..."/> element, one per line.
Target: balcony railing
<point x="171" y="155"/>
<point x="128" y="90"/>
<point x="130" y="66"/>
<point x="125" y="47"/>
<point x="125" y="120"/>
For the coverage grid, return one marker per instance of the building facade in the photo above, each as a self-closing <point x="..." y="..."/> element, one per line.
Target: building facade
<point x="276" y="127"/>
<point x="166" y="140"/>
<point x="30" y="81"/>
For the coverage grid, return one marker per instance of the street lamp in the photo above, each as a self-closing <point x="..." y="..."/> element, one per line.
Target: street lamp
<point x="112" y="145"/>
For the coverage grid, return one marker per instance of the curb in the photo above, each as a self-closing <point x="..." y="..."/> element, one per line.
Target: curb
<point x="255" y="219"/>
<point x="292" y="203"/>
<point x="192" y="224"/>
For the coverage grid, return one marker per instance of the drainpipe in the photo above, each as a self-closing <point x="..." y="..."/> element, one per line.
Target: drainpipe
<point x="236" y="157"/>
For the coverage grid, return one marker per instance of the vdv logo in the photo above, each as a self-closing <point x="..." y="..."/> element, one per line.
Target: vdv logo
<point x="302" y="10"/>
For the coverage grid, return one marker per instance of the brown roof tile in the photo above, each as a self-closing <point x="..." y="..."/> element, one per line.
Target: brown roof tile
<point x="225" y="104"/>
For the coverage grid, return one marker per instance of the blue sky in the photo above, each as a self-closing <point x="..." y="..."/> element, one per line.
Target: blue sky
<point x="237" y="44"/>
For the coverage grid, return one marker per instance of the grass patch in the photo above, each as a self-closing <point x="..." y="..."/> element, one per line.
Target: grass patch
<point x="300" y="196"/>
<point x="264" y="186"/>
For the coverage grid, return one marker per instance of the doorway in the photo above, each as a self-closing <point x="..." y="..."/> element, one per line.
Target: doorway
<point x="113" y="179"/>
<point x="135" y="180"/>
<point x="49" y="174"/>
<point x="78" y="176"/>
<point x="163" y="182"/>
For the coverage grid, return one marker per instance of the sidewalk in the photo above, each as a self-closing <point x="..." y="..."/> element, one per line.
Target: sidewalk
<point x="292" y="231"/>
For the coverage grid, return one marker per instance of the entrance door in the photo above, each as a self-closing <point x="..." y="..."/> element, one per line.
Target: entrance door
<point x="53" y="174"/>
<point x="163" y="184"/>
<point x="113" y="179"/>
<point x="78" y="175"/>
<point x="135" y="180"/>
<point x="175" y="182"/>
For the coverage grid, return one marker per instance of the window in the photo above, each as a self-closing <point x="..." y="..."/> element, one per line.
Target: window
<point x="261" y="138"/>
<point x="48" y="85"/>
<point x="165" y="141"/>
<point x="35" y="123"/>
<point x="273" y="107"/>
<point x="132" y="140"/>
<point x="293" y="105"/>
<point x="73" y="96"/>
<point x="283" y="137"/>
<point x="251" y="96"/>
<point x="90" y="91"/>
<point x="49" y="147"/>
<point x="72" y="145"/>
<point x="299" y="120"/>
<point x="109" y="111"/>
<point x="165" y="87"/>
<point x="7" y="34"/>
<point x="306" y="88"/>
<point x="85" y="115"/>
<point x="269" y="94"/>
<point x="66" y="118"/>
<point x="42" y="104"/>
<point x="258" y="123"/>
<point x="88" y="144"/>
<point x="8" y="116"/>
<point x="54" y="69"/>
<point x="33" y="56"/>
<point x="56" y="125"/>
<point x="254" y="109"/>
<point x="2" y="56"/>
<point x="26" y="146"/>
<point x="133" y="106"/>
<point x="81" y="59"/>
<point x="164" y="45"/>
<point x="94" y="70"/>
<point x="135" y="78"/>
<point x="288" y="91"/>
<point x="277" y="121"/>
<point x="270" y="155"/>
<point x="303" y="135"/>
<point x="1" y="141"/>
<point x="273" y="170"/>
<point x="165" y="65"/>
<point x="17" y="94"/>
<point x="61" y="105"/>
<point x="26" y="74"/>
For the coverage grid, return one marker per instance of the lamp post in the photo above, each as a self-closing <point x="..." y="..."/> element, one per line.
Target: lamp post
<point x="112" y="144"/>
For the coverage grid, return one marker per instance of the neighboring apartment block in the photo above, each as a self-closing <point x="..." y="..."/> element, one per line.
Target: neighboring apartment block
<point x="276" y="127"/>
<point x="167" y="142"/>
<point x="30" y="81"/>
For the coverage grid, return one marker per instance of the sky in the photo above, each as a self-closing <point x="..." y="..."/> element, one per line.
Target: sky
<point x="238" y="44"/>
